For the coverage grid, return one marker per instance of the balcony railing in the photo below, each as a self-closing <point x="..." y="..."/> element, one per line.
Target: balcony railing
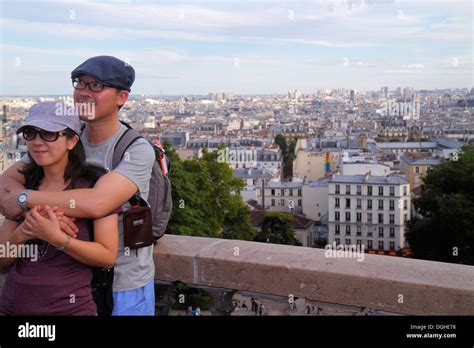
<point x="279" y="272"/>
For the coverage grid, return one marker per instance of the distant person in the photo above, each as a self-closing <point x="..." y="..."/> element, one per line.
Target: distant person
<point x="261" y="309"/>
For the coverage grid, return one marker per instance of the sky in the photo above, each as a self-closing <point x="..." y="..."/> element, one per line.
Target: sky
<point x="240" y="46"/>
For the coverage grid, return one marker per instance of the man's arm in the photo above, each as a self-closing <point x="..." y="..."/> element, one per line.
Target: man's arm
<point x="110" y="192"/>
<point x="14" y="179"/>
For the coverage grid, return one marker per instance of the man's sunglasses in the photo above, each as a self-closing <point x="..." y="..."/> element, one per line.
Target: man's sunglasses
<point x="30" y="133"/>
<point x="77" y="83"/>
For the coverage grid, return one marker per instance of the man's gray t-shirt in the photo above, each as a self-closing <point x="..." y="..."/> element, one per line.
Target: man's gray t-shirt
<point x="133" y="268"/>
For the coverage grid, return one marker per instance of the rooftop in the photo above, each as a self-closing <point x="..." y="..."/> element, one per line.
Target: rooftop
<point x="371" y="179"/>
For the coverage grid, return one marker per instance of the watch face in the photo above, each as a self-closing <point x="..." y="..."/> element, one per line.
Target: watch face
<point x="22" y="198"/>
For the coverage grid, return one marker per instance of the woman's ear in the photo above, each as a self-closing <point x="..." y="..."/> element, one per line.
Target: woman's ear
<point x="72" y="142"/>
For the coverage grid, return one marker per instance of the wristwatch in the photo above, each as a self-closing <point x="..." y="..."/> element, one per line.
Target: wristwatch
<point x="23" y="199"/>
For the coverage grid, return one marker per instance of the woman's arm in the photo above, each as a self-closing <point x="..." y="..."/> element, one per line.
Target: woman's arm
<point x="102" y="252"/>
<point x="11" y="232"/>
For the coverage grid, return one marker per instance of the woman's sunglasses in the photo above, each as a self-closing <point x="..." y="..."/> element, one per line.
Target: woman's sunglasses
<point x="30" y="133"/>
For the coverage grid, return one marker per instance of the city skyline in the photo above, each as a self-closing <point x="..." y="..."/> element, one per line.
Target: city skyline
<point x="248" y="48"/>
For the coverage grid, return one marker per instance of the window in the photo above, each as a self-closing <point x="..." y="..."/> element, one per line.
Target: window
<point x="348" y="216"/>
<point x="417" y="170"/>
<point x="359" y="242"/>
<point x="273" y="192"/>
<point x="300" y="202"/>
<point x="405" y="204"/>
<point x="348" y="230"/>
<point x="291" y="192"/>
<point x="359" y="189"/>
<point x="336" y="216"/>
<point x="380" y="190"/>
<point x="391" y="205"/>
<point x="380" y="219"/>
<point x="359" y="217"/>
<point x="348" y="189"/>
<point x="380" y="231"/>
<point x="336" y="203"/>
<point x="359" y="203"/>
<point x="369" y="190"/>
<point x="369" y="217"/>
<point x="392" y="245"/>
<point x="348" y="241"/>
<point x="404" y="190"/>
<point x="338" y="229"/>
<point x="380" y="245"/>
<point x="299" y="192"/>
<point x="392" y="218"/>
<point x="380" y="204"/>
<point x="369" y="231"/>
<point x="392" y="191"/>
<point x="369" y="204"/>
<point x="405" y="217"/>
<point x="369" y="244"/>
<point x="348" y="202"/>
<point x="273" y="202"/>
<point x="337" y="189"/>
<point x="392" y="232"/>
<point x="338" y="241"/>
<point x="359" y="230"/>
<point x="282" y="202"/>
<point x="282" y="192"/>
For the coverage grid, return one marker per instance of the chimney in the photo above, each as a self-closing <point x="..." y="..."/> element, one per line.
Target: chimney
<point x="366" y="176"/>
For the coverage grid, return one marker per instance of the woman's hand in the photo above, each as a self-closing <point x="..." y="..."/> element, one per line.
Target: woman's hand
<point x="66" y="223"/>
<point x="44" y="227"/>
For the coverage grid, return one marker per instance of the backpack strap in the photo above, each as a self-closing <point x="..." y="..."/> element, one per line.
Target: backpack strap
<point x="125" y="141"/>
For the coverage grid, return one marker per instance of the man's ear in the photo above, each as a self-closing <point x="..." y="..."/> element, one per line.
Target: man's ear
<point x="122" y="97"/>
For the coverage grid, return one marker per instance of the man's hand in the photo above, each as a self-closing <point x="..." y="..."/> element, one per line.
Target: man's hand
<point x="11" y="210"/>
<point x="66" y="224"/>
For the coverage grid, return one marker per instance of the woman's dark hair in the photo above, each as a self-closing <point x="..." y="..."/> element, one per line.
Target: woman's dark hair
<point x="34" y="173"/>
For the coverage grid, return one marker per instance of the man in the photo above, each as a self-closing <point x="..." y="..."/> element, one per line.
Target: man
<point x="101" y="84"/>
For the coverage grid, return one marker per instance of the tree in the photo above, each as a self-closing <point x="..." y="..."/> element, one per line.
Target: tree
<point x="276" y="229"/>
<point x="206" y="199"/>
<point x="288" y="154"/>
<point x="281" y="141"/>
<point x="445" y="230"/>
<point x="237" y="224"/>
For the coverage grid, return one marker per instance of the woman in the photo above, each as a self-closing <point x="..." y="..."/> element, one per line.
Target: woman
<point x="57" y="279"/>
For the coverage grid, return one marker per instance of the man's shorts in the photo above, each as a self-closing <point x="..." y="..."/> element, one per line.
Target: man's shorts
<point x="139" y="301"/>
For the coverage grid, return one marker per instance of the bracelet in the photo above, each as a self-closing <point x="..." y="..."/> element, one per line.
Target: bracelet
<point x="66" y="243"/>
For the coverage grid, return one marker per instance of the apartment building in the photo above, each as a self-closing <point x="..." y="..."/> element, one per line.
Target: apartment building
<point x="369" y="210"/>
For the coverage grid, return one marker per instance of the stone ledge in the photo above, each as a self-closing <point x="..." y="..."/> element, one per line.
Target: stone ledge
<point x="427" y="287"/>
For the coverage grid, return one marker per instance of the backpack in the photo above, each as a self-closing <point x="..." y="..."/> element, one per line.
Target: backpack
<point x="159" y="196"/>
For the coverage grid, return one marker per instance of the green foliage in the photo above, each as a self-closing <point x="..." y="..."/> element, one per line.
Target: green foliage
<point x="446" y="230"/>
<point x="276" y="229"/>
<point x="288" y="153"/>
<point x="206" y="199"/>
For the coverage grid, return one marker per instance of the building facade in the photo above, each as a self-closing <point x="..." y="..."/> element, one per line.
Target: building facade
<point x="368" y="210"/>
